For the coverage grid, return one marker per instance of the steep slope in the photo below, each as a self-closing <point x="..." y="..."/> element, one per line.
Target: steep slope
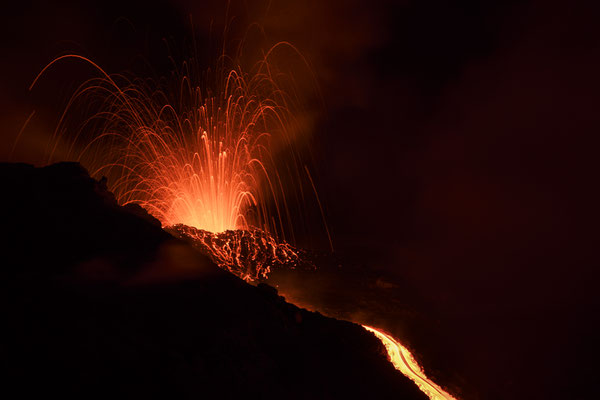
<point x="98" y="301"/>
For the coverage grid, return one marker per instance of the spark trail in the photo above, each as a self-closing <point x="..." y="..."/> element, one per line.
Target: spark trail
<point x="214" y="154"/>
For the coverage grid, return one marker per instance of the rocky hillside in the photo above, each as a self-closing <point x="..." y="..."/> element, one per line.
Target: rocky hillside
<point x="97" y="301"/>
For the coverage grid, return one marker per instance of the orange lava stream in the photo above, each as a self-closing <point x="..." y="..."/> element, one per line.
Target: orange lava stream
<point x="404" y="362"/>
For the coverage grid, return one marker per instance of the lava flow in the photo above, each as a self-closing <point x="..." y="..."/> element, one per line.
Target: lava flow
<point x="249" y="254"/>
<point x="204" y="158"/>
<point x="404" y="362"/>
<point x="214" y="159"/>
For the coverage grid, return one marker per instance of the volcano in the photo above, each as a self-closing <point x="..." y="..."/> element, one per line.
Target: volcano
<point x="98" y="301"/>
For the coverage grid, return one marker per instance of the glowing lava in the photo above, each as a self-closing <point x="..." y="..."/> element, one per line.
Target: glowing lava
<point x="203" y="156"/>
<point x="249" y="254"/>
<point x="194" y="153"/>
<point x="404" y="362"/>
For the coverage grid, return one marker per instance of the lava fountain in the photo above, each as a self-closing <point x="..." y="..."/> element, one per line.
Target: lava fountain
<point x="199" y="155"/>
<point x="202" y="160"/>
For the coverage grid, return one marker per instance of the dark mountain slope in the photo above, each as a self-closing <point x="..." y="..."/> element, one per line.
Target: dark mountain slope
<point x="97" y="301"/>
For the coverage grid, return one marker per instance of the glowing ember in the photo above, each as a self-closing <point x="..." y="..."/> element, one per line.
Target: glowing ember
<point x="249" y="254"/>
<point x="404" y="362"/>
<point x="203" y="157"/>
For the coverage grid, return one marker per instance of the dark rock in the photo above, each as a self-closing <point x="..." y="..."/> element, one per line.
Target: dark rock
<point x="268" y="289"/>
<point x="97" y="301"/>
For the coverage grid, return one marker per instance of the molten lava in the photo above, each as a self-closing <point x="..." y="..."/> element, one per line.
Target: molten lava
<point x="404" y="362"/>
<point x="249" y="254"/>
<point x="203" y="156"/>
<point x="196" y="153"/>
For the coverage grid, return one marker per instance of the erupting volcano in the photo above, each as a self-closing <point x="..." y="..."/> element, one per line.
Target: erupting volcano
<point x="292" y="199"/>
<point x="203" y="156"/>
<point x="214" y="164"/>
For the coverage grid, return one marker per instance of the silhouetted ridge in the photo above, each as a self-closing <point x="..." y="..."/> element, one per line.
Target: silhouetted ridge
<point x="97" y="302"/>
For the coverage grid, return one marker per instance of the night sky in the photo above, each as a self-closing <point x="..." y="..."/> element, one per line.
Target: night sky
<point x="453" y="144"/>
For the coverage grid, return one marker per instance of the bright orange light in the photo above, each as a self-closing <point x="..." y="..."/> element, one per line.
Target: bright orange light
<point x="249" y="254"/>
<point x="404" y="362"/>
<point x="189" y="151"/>
<point x="205" y="163"/>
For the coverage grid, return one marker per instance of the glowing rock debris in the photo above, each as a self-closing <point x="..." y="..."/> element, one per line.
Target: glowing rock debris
<point x="249" y="254"/>
<point x="404" y="362"/>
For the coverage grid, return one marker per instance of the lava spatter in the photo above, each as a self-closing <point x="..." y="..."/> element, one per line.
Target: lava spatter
<point x="213" y="150"/>
<point x="249" y="254"/>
